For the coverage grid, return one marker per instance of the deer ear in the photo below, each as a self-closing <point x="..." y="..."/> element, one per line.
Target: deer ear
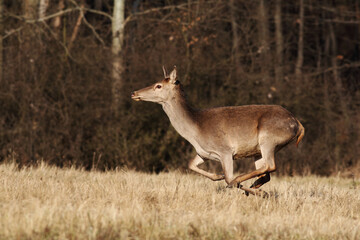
<point x="165" y="72"/>
<point x="173" y="75"/>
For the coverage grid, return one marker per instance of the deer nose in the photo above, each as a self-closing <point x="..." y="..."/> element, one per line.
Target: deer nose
<point x="133" y="94"/>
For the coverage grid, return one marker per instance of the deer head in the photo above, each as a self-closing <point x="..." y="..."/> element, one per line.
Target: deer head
<point x="159" y="92"/>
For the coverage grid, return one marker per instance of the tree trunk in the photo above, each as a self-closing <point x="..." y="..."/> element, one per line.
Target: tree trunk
<point x="30" y="54"/>
<point x="264" y="40"/>
<point x="30" y="8"/>
<point x="116" y="48"/>
<point x="263" y="51"/>
<point x="338" y="83"/>
<point x="43" y="5"/>
<point x="235" y="39"/>
<point x="1" y="38"/>
<point x="187" y="42"/>
<point x="327" y="103"/>
<point x="57" y="20"/>
<point x="300" y="53"/>
<point x="279" y="74"/>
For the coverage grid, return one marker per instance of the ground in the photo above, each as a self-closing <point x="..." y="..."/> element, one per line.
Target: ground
<point x="51" y="203"/>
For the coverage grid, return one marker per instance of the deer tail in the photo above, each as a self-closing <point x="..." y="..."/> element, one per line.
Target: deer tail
<point x="300" y="134"/>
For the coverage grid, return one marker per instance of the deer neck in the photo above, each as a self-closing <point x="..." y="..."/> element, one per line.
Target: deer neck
<point x="182" y="117"/>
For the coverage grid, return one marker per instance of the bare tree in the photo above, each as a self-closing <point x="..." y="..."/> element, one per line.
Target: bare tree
<point x="1" y="38"/>
<point x="235" y="39"/>
<point x="57" y="20"/>
<point x="325" y="87"/>
<point x="77" y="26"/>
<point x="43" y="5"/>
<point x="279" y="74"/>
<point x="116" y="48"/>
<point x="264" y="38"/>
<point x="30" y="8"/>
<point x="337" y="80"/>
<point x="300" y="54"/>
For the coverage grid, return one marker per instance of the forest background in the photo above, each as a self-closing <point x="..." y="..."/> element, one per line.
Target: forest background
<point x="67" y="69"/>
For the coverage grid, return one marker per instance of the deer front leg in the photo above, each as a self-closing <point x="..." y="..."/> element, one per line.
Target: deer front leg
<point x="193" y="165"/>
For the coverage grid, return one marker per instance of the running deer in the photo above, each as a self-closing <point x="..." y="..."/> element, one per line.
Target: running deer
<point x="226" y="133"/>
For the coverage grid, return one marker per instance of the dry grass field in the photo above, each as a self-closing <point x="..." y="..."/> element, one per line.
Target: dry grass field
<point x="52" y="203"/>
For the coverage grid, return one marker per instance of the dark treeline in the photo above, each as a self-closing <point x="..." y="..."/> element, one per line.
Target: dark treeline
<point x="67" y="69"/>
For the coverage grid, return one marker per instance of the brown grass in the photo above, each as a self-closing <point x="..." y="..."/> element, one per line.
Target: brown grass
<point x="53" y="203"/>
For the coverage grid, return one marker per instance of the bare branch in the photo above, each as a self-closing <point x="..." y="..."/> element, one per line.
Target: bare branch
<point x="151" y="10"/>
<point x="59" y="13"/>
<point x="330" y="69"/>
<point x="341" y="21"/>
<point x="333" y="10"/>
<point x="81" y="9"/>
<point x="12" y="31"/>
<point x="76" y="29"/>
<point x="98" y="12"/>
<point x="92" y="29"/>
<point x="62" y="44"/>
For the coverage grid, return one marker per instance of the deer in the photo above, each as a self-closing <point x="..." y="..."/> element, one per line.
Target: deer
<point x="225" y="134"/>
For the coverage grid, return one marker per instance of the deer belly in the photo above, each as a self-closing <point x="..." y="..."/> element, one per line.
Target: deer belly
<point x="247" y="152"/>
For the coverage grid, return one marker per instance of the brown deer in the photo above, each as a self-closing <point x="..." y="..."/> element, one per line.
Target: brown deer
<point x="226" y="133"/>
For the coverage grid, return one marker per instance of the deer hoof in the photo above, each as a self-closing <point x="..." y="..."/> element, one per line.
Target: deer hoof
<point x="219" y="177"/>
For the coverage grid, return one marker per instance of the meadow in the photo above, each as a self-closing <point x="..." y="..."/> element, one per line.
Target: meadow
<point x="46" y="202"/>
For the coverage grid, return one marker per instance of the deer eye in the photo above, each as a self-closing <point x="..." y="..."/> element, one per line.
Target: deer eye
<point x="158" y="86"/>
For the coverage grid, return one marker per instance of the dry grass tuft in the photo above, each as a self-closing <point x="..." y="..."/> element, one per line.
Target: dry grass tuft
<point x="52" y="203"/>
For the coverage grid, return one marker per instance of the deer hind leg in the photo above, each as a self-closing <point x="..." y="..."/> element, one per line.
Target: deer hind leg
<point x="267" y="152"/>
<point x="197" y="160"/>
<point x="262" y="179"/>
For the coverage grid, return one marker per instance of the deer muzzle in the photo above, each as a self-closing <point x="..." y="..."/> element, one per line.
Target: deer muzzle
<point x="135" y="96"/>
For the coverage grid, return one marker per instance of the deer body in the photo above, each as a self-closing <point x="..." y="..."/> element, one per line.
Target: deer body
<point x="226" y="133"/>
